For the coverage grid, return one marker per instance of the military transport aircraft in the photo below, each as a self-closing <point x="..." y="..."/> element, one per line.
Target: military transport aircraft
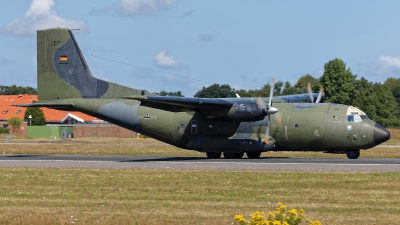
<point x="232" y="126"/>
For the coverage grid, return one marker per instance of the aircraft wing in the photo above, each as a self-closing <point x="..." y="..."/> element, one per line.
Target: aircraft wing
<point x="297" y="98"/>
<point x="176" y="104"/>
<point x="179" y="103"/>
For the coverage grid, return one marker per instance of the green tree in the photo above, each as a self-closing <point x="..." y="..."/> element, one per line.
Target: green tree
<point x="338" y="82"/>
<point x="393" y="85"/>
<point x="364" y="97"/>
<point x="288" y="89"/>
<point x="385" y="106"/>
<point x="164" y="93"/>
<point x="14" y="90"/>
<point x="243" y="93"/>
<point x="303" y="81"/>
<point x="4" y="130"/>
<point x="216" y="91"/>
<point x="15" y="122"/>
<point x="37" y="116"/>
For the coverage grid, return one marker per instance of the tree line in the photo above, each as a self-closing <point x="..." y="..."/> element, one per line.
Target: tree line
<point x="15" y="90"/>
<point x="381" y="102"/>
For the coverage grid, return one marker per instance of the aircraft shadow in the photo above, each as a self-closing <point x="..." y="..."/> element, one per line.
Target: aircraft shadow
<point x="172" y="159"/>
<point x="22" y="156"/>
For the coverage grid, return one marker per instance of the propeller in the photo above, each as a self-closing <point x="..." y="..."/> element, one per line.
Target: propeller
<point x="310" y="92"/>
<point x="268" y="110"/>
<point x="278" y="117"/>
<point x="320" y="94"/>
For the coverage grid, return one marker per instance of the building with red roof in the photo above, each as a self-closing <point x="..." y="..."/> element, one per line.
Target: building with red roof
<point x="52" y="116"/>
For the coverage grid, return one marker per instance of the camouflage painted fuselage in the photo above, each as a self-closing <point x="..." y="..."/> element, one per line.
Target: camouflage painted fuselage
<point x="221" y="125"/>
<point x="304" y="127"/>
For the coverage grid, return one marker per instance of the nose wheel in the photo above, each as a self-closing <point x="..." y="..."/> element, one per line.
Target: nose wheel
<point x="353" y="153"/>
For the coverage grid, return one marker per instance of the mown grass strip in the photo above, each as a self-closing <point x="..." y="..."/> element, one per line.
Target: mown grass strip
<point x="100" y="196"/>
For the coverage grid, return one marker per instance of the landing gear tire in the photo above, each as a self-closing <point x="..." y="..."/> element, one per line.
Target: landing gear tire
<point x="253" y="155"/>
<point x="353" y="153"/>
<point x="230" y="155"/>
<point x="213" y="155"/>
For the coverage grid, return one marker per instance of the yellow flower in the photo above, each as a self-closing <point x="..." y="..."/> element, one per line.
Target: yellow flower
<point x="293" y="212"/>
<point x="276" y="222"/>
<point x="240" y="219"/>
<point x="315" y="222"/>
<point x="257" y="218"/>
<point x="271" y="214"/>
<point x="301" y="213"/>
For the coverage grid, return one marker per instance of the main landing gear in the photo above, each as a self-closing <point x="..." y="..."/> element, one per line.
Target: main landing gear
<point x="353" y="153"/>
<point x="213" y="155"/>
<point x="253" y="155"/>
<point x="233" y="155"/>
<point x="229" y="155"/>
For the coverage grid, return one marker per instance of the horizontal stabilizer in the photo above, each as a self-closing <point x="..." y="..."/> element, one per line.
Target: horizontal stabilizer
<point x="63" y="106"/>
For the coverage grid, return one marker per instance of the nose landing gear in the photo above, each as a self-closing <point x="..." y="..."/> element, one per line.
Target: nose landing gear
<point x="353" y="153"/>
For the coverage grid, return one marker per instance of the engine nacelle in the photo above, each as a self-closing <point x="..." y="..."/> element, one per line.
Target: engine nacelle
<point x="245" y="111"/>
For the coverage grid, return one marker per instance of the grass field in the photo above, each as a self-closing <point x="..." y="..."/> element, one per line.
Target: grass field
<point x="100" y="196"/>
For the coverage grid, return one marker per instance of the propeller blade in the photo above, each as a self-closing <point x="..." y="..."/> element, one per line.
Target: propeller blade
<point x="310" y="92"/>
<point x="260" y="102"/>
<point x="278" y="117"/>
<point x="266" y="139"/>
<point x="321" y="91"/>
<point x="271" y="110"/>
<point x="271" y="92"/>
<point x="237" y="95"/>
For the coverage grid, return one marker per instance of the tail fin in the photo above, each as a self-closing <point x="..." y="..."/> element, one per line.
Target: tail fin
<point x="63" y="73"/>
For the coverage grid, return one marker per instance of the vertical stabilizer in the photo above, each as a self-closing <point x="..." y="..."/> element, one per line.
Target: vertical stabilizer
<point x="63" y="73"/>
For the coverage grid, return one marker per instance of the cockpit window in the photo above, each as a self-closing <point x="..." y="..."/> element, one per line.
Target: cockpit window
<point x="349" y="118"/>
<point x="356" y="118"/>
<point x="364" y="117"/>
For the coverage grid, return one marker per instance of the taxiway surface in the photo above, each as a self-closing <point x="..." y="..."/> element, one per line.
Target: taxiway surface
<point x="142" y="162"/>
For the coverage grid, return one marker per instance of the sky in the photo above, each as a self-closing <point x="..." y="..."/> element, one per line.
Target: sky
<point x="182" y="45"/>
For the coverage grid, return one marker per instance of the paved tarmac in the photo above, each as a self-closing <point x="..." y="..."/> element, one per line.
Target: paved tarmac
<point x="201" y="163"/>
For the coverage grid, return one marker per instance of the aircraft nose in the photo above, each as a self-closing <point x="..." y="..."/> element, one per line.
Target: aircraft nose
<point x="380" y="134"/>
